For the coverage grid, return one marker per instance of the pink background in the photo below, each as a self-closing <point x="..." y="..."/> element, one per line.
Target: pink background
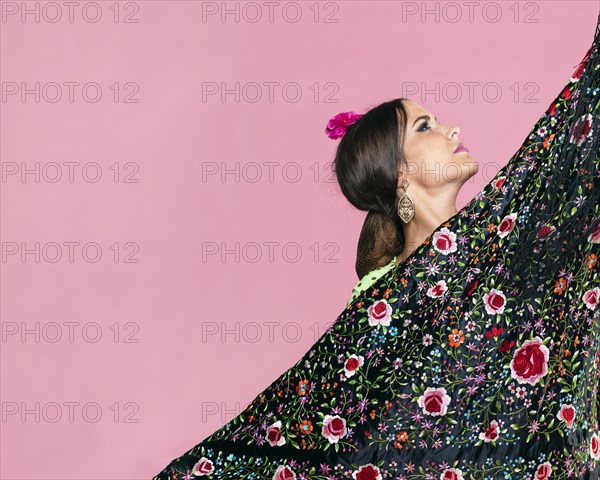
<point x="173" y="377"/>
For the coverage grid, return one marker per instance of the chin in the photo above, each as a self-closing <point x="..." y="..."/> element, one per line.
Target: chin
<point x="470" y="164"/>
<point x="473" y="167"/>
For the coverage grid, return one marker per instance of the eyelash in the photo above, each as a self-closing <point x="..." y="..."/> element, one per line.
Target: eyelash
<point x="420" y="129"/>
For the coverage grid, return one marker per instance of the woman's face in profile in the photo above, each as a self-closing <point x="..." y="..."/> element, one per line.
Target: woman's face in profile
<point x="429" y="148"/>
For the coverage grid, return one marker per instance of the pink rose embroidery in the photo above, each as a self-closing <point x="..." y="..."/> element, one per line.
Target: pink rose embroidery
<point x="284" y="472"/>
<point x="543" y="471"/>
<point x="444" y="241"/>
<point x="334" y="428"/>
<point x="590" y="298"/>
<point x="506" y="225"/>
<point x="380" y="313"/>
<point x="594" y="236"/>
<point x="204" y="466"/>
<point x="530" y="362"/>
<point x="437" y="290"/>
<point x="434" y="401"/>
<point x="494" y="302"/>
<point x="274" y="436"/>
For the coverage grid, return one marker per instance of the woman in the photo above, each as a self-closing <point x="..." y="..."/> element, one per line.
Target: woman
<point x="433" y="162"/>
<point x="475" y="351"/>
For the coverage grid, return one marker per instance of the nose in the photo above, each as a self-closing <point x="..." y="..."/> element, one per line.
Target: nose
<point x="452" y="131"/>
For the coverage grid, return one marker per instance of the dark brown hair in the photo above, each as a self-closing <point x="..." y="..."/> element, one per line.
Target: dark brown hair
<point x="366" y="165"/>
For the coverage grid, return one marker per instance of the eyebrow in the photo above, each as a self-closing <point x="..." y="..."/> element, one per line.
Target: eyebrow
<point x="423" y="117"/>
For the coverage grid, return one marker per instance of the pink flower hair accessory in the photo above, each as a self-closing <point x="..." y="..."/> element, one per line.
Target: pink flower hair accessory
<point x="337" y="126"/>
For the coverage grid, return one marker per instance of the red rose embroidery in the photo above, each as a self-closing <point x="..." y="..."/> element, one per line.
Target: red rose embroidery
<point x="544" y="231"/>
<point x="543" y="471"/>
<point x="334" y="428"/>
<point x="444" y="241"/>
<point x="204" y="466"/>
<point x="452" y="474"/>
<point x="434" y="401"/>
<point x="274" y="436"/>
<point x="595" y="234"/>
<point x="367" y="472"/>
<point x="380" y="313"/>
<point x="595" y="446"/>
<point x="284" y="473"/>
<point x="590" y="298"/>
<point x="567" y="413"/>
<point x="530" y="362"/>
<point x="581" y="129"/>
<point x="506" y="225"/>
<point x="579" y="70"/>
<point x="437" y="290"/>
<point x="352" y="364"/>
<point x="491" y="433"/>
<point x="494" y="301"/>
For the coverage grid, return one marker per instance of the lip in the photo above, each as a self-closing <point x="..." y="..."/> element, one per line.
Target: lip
<point x="461" y="148"/>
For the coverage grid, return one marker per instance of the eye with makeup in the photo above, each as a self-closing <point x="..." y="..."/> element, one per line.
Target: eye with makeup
<point x="421" y="129"/>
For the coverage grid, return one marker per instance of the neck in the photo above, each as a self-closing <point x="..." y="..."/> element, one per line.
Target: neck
<point x="430" y="212"/>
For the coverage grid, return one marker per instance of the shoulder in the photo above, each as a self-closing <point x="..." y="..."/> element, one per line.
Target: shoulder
<point x="369" y="279"/>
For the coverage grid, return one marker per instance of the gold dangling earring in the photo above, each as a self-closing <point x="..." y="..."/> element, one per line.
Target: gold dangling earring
<point x="406" y="205"/>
